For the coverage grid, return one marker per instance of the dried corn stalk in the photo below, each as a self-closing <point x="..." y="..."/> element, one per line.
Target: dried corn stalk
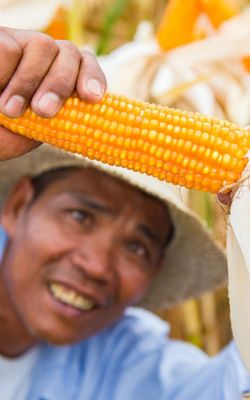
<point x="239" y="268"/>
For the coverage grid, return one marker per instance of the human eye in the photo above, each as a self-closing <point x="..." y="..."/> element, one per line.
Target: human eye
<point x="138" y="248"/>
<point x="80" y="215"/>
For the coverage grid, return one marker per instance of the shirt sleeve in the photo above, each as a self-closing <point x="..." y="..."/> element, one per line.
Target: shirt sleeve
<point x="223" y="377"/>
<point x="178" y="371"/>
<point x="147" y="366"/>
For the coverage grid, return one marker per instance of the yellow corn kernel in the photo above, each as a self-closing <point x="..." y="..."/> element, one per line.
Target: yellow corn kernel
<point x="175" y="148"/>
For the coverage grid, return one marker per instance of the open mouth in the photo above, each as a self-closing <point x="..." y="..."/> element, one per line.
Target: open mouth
<point x="71" y="297"/>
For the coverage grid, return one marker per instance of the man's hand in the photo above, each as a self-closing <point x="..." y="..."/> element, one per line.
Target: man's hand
<point x="39" y="71"/>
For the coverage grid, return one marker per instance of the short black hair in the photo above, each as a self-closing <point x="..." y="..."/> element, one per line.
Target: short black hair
<point x="42" y="181"/>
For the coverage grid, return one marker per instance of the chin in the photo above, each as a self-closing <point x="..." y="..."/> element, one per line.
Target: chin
<point x="54" y="336"/>
<point x="58" y="340"/>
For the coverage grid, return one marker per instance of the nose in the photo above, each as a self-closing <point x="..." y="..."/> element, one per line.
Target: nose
<point x="95" y="256"/>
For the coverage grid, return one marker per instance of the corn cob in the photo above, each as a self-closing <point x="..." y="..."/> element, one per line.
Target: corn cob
<point x="180" y="147"/>
<point x="177" y="24"/>
<point x="220" y="10"/>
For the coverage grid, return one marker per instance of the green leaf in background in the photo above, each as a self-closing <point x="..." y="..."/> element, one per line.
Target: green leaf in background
<point x="109" y="23"/>
<point x="209" y="214"/>
<point x="201" y="203"/>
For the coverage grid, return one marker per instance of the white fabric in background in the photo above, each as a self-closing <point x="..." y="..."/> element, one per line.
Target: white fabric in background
<point x="28" y="14"/>
<point x="15" y="375"/>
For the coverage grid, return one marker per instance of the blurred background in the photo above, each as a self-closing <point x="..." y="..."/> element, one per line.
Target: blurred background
<point x="188" y="54"/>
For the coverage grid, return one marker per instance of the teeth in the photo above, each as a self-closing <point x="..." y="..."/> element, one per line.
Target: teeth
<point x="71" y="297"/>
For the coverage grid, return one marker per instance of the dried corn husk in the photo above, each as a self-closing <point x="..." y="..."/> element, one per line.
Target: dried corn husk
<point x="238" y="251"/>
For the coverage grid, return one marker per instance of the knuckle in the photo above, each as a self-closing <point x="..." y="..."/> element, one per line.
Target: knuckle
<point x="70" y="48"/>
<point x="86" y="52"/>
<point x="91" y="63"/>
<point x="63" y="85"/>
<point x="9" y="48"/>
<point x="88" y="57"/>
<point x="24" y="84"/>
<point x="4" y="30"/>
<point x="45" y="43"/>
<point x="11" y="53"/>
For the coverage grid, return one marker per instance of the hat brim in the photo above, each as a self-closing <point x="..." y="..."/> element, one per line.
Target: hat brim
<point x="193" y="262"/>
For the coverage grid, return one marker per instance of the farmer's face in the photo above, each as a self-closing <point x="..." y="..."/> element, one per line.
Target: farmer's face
<point x="80" y="253"/>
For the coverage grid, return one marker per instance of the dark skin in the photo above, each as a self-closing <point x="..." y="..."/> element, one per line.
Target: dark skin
<point x="88" y="232"/>
<point x="41" y="72"/>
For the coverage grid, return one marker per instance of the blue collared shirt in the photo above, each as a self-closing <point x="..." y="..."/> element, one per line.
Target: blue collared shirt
<point x="135" y="360"/>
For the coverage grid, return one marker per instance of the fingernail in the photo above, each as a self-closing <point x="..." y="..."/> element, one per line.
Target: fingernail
<point x="49" y="103"/>
<point x="15" y="106"/>
<point x="94" y="87"/>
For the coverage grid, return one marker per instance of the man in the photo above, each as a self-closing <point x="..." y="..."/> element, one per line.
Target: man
<point x="80" y="244"/>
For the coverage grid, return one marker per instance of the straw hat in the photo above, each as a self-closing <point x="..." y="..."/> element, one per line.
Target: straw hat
<point x="193" y="262"/>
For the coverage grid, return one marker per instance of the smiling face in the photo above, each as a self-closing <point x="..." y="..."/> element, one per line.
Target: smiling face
<point x="79" y="253"/>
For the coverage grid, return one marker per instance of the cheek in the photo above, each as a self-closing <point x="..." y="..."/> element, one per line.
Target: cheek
<point x="22" y="274"/>
<point x="38" y="239"/>
<point x="28" y="253"/>
<point x="135" y="282"/>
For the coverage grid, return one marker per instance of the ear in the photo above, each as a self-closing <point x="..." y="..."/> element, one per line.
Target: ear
<point x="16" y="203"/>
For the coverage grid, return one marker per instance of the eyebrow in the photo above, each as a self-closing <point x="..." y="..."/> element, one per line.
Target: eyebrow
<point x="149" y="234"/>
<point x="95" y="205"/>
<point x="92" y="204"/>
